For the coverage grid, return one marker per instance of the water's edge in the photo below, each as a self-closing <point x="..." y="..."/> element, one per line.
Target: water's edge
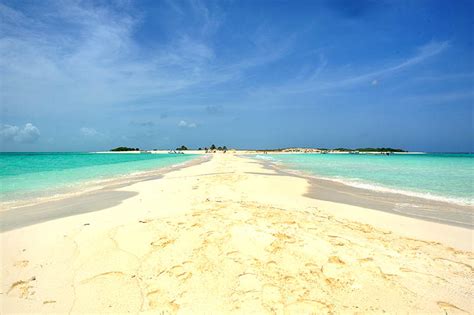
<point x="367" y="184"/>
<point x="410" y="206"/>
<point x="105" y="184"/>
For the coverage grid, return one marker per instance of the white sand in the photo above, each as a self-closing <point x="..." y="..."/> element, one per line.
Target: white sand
<point x="228" y="236"/>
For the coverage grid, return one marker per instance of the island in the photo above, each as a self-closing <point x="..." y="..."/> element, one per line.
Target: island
<point x="124" y="149"/>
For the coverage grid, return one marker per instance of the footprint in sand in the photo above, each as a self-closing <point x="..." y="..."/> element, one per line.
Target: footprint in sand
<point x="162" y="242"/>
<point x="248" y="282"/>
<point x="312" y="269"/>
<point x="285" y="238"/>
<point x="180" y="272"/>
<point x="234" y="256"/>
<point x="23" y="287"/>
<point x="271" y="264"/>
<point x="333" y="269"/>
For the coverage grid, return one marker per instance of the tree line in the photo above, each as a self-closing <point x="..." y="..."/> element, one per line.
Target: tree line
<point x="212" y="148"/>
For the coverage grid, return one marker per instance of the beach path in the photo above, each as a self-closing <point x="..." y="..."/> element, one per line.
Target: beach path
<point x="230" y="236"/>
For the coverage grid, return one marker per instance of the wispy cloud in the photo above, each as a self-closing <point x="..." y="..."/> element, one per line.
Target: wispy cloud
<point x="93" y="59"/>
<point x="316" y="81"/>
<point x="423" y="53"/>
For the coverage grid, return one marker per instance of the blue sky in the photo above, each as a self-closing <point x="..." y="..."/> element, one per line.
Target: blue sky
<point x="80" y="75"/>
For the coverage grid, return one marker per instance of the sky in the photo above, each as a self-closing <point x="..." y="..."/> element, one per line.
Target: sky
<point x="93" y="75"/>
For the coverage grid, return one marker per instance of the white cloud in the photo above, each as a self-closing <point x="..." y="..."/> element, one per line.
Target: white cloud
<point x="185" y="124"/>
<point x="27" y="134"/>
<point x="96" y="59"/>
<point x="88" y="132"/>
<point x="375" y="82"/>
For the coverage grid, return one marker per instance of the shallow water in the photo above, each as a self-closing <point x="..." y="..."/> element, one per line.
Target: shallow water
<point x="26" y="175"/>
<point x="443" y="177"/>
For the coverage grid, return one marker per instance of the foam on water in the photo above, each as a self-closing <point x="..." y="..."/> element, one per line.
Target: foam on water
<point x="440" y="177"/>
<point x="264" y="157"/>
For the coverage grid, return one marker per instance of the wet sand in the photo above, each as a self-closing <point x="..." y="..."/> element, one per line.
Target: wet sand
<point x="415" y="207"/>
<point x="95" y="198"/>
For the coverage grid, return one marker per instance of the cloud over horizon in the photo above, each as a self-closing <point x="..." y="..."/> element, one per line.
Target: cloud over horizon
<point x="26" y="134"/>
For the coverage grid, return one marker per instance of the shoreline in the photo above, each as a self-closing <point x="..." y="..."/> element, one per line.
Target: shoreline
<point x="391" y="202"/>
<point x="91" y="186"/>
<point x="230" y="235"/>
<point x="367" y="185"/>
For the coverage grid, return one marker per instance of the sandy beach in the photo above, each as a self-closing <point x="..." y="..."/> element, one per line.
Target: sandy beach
<point x="229" y="235"/>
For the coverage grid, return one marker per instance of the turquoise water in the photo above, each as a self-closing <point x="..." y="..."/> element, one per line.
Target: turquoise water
<point x="447" y="177"/>
<point x="24" y="175"/>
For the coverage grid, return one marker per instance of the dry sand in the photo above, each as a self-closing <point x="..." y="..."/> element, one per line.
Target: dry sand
<point x="230" y="236"/>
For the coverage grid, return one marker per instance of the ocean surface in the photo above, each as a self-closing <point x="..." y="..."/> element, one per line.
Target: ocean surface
<point x="442" y="177"/>
<point x="31" y="175"/>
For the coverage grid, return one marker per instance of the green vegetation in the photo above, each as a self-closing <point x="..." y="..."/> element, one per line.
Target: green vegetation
<point x="213" y="147"/>
<point x="121" y="149"/>
<point x="182" y="148"/>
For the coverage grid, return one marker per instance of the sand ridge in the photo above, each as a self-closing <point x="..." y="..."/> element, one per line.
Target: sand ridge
<point x="227" y="236"/>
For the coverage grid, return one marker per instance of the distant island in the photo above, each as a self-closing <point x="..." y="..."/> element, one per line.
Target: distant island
<point x="371" y="150"/>
<point x="214" y="149"/>
<point x="122" y="149"/>
<point x="338" y="150"/>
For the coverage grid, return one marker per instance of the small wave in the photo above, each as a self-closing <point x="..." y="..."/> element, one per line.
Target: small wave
<point x="384" y="189"/>
<point x="264" y="157"/>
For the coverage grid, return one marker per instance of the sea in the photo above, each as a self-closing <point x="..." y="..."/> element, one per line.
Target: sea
<point x="444" y="177"/>
<point x="30" y="176"/>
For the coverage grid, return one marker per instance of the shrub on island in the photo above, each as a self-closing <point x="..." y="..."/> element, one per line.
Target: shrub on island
<point x="122" y="149"/>
<point x="380" y="150"/>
